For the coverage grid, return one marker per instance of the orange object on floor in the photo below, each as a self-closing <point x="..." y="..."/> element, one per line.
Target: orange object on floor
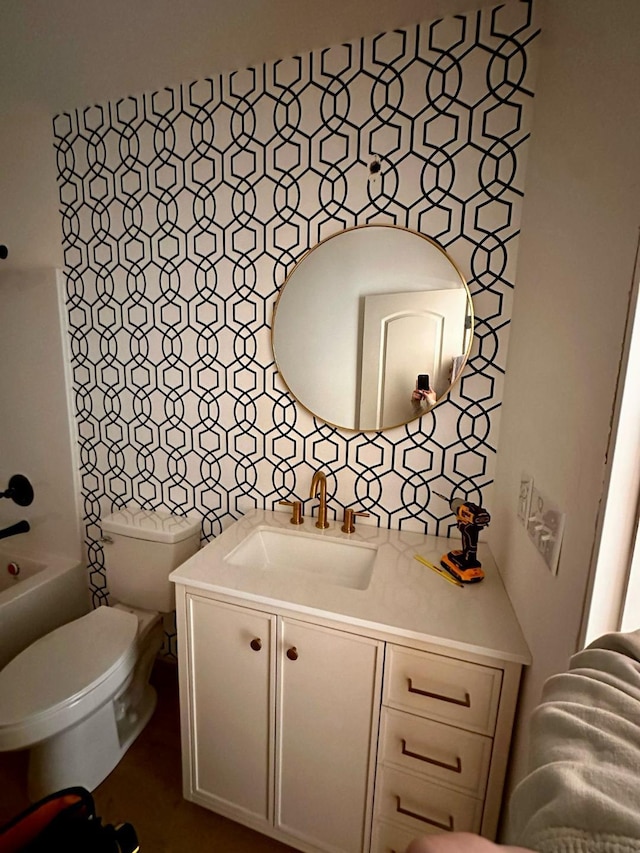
<point x="65" y="820"/>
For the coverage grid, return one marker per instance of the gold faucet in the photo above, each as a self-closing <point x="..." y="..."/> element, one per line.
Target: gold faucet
<point x="319" y="489"/>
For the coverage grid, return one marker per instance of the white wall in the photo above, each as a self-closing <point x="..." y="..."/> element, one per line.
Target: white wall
<point x="65" y="55"/>
<point x="35" y="437"/>
<point x="579" y="231"/>
<point x="69" y="54"/>
<point x="29" y="217"/>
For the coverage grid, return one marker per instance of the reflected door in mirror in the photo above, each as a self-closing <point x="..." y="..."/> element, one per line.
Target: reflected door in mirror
<point x="405" y="334"/>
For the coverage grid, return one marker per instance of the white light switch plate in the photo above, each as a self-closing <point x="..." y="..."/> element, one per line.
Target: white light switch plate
<point x="545" y="526"/>
<point x="524" y="497"/>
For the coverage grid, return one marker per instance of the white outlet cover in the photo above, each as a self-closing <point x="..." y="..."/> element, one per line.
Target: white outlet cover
<point x="545" y="526"/>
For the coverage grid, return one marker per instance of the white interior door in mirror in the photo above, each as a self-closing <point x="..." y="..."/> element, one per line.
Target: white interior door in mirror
<point x="405" y="334"/>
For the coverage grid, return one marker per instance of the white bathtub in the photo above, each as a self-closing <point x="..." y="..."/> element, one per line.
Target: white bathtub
<point x="46" y="593"/>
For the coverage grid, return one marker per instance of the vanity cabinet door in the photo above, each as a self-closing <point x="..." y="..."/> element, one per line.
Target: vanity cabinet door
<point x="328" y="709"/>
<point x="230" y="672"/>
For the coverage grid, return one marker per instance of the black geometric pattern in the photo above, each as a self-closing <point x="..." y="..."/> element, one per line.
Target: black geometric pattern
<point x="183" y="210"/>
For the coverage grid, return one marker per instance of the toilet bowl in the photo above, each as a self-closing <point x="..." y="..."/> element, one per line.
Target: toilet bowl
<point x="79" y="696"/>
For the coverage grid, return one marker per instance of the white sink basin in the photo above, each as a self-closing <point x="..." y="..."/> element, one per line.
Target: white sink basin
<point x="332" y="561"/>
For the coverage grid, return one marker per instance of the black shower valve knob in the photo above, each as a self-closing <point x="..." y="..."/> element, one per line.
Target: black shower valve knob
<point x="20" y="490"/>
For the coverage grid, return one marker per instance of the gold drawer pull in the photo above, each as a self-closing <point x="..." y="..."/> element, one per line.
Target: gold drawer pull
<point x="466" y="702"/>
<point x="448" y="827"/>
<point x="456" y="768"/>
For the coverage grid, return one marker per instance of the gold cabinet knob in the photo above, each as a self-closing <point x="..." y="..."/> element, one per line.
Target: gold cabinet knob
<point x="292" y="653"/>
<point x="256" y="644"/>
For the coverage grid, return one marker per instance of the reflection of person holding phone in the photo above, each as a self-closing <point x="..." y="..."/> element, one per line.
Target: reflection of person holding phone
<point x="424" y="397"/>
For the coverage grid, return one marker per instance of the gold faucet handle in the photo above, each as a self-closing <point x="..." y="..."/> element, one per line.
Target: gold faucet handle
<point x="296" y="511"/>
<point x="349" y="524"/>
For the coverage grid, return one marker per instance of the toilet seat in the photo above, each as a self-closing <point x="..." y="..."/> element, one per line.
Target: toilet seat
<point x="65" y="675"/>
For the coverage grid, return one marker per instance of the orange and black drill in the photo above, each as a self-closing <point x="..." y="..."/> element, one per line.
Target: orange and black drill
<point x="471" y="518"/>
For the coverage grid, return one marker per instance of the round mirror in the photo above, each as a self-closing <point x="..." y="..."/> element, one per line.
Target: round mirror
<point x="372" y="327"/>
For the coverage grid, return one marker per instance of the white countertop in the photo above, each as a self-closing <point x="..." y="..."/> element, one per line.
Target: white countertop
<point x="404" y="597"/>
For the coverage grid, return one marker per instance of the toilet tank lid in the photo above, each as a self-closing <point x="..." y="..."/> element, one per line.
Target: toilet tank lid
<point x="156" y="526"/>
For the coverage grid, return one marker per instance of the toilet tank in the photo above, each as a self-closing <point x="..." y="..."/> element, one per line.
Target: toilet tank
<point x="141" y="549"/>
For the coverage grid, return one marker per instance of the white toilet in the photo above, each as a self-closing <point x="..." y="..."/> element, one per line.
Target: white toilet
<point x="79" y="696"/>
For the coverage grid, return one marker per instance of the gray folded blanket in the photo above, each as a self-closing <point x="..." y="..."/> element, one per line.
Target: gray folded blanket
<point x="582" y="791"/>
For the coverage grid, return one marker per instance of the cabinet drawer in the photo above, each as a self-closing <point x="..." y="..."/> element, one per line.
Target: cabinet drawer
<point x="457" y="692"/>
<point x="422" y="806"/>
<point x="442" y="753"/>
<point x="390" y="837"/>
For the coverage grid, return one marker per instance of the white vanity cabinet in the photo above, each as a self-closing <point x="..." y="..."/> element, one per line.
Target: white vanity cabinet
<point x="280" y="718"/>
<point x="345" y="716"/>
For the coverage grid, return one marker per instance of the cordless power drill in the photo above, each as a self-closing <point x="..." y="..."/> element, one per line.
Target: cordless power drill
<point x="471" y="518"/>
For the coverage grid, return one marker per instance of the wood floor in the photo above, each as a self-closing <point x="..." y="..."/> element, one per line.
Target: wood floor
<point x="145" y="790"/>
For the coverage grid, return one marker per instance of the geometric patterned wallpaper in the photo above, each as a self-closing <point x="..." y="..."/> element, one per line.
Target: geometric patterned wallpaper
<point x="184" y="209"/>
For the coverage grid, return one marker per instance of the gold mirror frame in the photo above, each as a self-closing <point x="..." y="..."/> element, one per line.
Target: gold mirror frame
<point x="326" y="316"/>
